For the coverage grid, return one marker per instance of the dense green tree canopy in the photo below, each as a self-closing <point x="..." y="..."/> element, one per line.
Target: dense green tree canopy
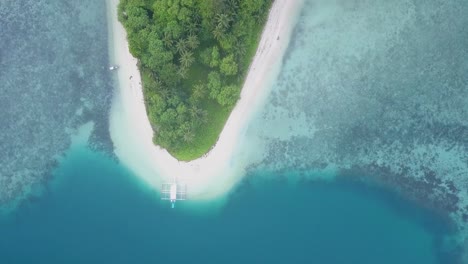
<point x="193" y="56"/>
<point x="228" y="65"/>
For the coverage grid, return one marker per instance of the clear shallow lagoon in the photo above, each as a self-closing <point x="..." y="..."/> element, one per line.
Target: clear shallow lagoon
<point x="347" y="98"/>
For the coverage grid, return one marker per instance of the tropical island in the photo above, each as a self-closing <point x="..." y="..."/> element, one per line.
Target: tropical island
<point x="223" y="126"/>
<point x="193" y="58"/>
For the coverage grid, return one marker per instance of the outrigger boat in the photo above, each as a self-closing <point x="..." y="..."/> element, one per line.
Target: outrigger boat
<point x="174" y="192"/>
<point x="113" y="67"/>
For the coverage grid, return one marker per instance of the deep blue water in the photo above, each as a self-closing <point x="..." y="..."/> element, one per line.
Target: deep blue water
<point x="96" y="212"/>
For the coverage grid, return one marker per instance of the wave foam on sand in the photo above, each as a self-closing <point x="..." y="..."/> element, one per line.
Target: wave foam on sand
<point x="216" y="173"/>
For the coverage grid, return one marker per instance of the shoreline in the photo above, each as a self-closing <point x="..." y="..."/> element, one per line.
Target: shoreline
<point x="216" y="172"/>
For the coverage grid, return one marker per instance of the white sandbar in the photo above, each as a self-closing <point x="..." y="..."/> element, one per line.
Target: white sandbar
<point x="214" y="174"/>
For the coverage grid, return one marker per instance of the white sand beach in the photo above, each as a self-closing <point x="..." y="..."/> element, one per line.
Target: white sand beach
<point x="216" y="173"/>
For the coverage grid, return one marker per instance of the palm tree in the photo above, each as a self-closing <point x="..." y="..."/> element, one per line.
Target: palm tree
<point x="198" y="115"/>
<point x="164" y="93"/>
<point x="241" y="48"/>
<point x="158" y="83"/>
<point x="232" y="5"/>
<point x="181" y="46"/>
<point x="153" y="74"/>
<point x="203" y="116"/>
<point x="167" y="39"/>
<point x="154" y="85"/>
<point x="218" y="33"/>
<point x="192" y="28"/>
<point x="199" y="91"/>
<point x="197" y="19"/>
<point x="186" y="59"/>
<point x="192" y="42"/>
<point x="188" y="134"/>
<point x="182" y="72"/>
<point x="223" y="20"/>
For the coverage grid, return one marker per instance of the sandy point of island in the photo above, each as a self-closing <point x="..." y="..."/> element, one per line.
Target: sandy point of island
<point x="216" y="173"/>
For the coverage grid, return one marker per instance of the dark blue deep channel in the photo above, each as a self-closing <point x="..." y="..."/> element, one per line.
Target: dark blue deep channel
<point x="96" y="212"/>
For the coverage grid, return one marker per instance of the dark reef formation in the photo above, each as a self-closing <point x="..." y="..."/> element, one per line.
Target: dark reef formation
<point x="377" y="90"/>
<point x="53" y="71"/>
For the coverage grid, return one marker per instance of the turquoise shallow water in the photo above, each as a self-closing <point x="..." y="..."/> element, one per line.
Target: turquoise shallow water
<point x="96" y="212"/>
